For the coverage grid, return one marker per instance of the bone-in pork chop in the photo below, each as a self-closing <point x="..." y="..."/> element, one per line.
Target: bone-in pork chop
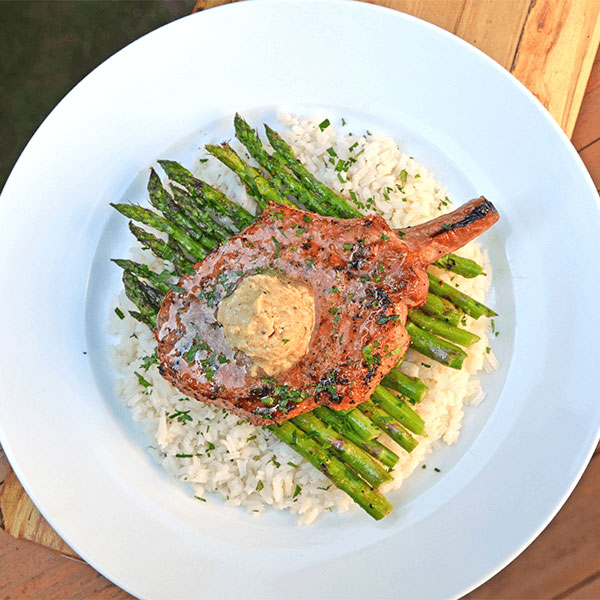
<point x="300" y="310"/>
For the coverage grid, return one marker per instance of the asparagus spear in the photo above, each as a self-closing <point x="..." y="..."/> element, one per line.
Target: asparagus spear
<point x="439" y="327"/>
<point x="440" y="308"/>
<point x="389" y="425"/>
<point x="203" y="220"/>
<point x="166" y="250"/>
<point x="434" y="347"/>
<point x="260" y="189"/>
<point x="376" y="449"/>
<point x="411" y="387"/>
<point x="161" y="200"/>
<point x="342" y="476"/>
<point x="135" y="292"/>
<point x="397" y="408"/>
<point x="292" y="186"/>
<point x="159" y="280"/>
<point x="285" y="154"/>
<point x="202" y="191"/>
<point x="459" y="265"/>
<point x="352" y="455"/>
<point x="466" y="303"/>
<point x="146" y="216"/>
<point x="364" y="428"/>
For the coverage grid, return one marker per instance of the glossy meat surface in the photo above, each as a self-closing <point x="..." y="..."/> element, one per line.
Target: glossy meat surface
<point x="364" y="278"/>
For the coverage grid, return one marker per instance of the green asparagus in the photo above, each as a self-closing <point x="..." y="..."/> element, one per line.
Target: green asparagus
<point x="462" y="337"/>
<point x="440" y="308"/>
<point x="411" y="387"/>
<point x="434" y="347"/>
<point x="352" y="455"/>
<point x="400" y="410"/>
<point x="465" y="303"/>
<point x="342" y="476"/>
<point x="389" y="424"/>
<point x="459" y="265"/>
<point x="204" y="192"/>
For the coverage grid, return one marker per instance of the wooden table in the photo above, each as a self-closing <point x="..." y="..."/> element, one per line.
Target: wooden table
<point x="550" y="45"/>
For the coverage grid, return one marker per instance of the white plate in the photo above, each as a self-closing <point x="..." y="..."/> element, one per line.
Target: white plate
<point x="75" y="448"/>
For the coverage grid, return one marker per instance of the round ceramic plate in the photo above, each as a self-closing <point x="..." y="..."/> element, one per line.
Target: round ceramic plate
<point x="75" y="448"/>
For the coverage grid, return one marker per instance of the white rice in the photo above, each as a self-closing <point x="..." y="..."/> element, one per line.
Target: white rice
<point x="218" y="453"/>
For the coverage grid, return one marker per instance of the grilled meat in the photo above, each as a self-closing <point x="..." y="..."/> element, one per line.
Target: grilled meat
<point x="363" y="277"/>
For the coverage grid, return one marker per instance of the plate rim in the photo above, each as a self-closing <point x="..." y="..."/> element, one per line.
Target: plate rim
<point x="397" y="14"/>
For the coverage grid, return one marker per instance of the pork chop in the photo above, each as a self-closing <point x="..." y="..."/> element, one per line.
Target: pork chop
<point x="362" y="278"/>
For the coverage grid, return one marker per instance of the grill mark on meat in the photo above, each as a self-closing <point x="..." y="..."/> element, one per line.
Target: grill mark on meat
<point x="377" y="281"/>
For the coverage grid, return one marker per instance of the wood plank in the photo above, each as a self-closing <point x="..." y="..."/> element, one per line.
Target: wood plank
<point x="586" y="590"/>
<point x="565" y="554"/>
<point x="29" y="572"/>
<point x="587" y="129"/>
<point x="556" y="53"/>
<point x="591" y="158"/>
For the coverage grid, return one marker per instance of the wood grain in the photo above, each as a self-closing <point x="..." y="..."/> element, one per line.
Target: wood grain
<point x="587" y="131"/>
<point x="555" y="55"/>
<point x="564" y="562"/>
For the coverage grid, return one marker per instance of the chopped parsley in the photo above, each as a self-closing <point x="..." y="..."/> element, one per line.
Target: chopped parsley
<point x="191" y="353"/>
<point x="142" y="381"/>
<point x="260" y="485"/>
<point x="348" y="246"/>
<point x="384" y="237"/>
<point x="284" y="340"/>
<point x="119" y="313"/>
<point x="182" y="416"/>
<point x="370" y="358"/>
<point x="148" y="361"/>
<point x="323" y="125"/>
<point x="383" y="320"/>
<point x="297" y="491"/>
<point x="403" y="176"/>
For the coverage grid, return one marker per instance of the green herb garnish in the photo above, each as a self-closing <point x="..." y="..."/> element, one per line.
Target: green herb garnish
<point x="323" y="125"/>
<point x="142" y="381"/>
